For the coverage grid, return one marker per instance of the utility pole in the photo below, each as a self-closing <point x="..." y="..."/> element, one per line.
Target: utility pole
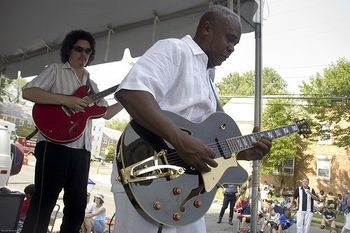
<point x="257" y="113"/>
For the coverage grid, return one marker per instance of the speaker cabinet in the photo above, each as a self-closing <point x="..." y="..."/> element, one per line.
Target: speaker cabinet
<point x="10" y="208"/>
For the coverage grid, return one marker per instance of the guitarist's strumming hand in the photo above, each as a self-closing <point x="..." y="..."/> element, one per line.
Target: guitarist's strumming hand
<point x="194" y="152"/>
<point x="261" y="148"/>
<point x="74" y="104"/>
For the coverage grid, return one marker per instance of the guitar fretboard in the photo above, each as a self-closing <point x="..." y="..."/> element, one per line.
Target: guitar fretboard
<point x="104" y="93"/>
<point x="238" y="144"/>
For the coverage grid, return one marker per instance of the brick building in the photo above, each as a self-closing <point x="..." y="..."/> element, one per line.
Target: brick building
<point x="325" y="164"/>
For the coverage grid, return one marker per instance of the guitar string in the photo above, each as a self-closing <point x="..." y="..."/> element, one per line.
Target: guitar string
<point x="224" y="147"/>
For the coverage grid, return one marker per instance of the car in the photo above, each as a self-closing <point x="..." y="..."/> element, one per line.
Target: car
<point x="7" y="130"/>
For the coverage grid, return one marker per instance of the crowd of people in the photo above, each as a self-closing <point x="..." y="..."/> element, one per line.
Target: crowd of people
<point x="280" y="209"/>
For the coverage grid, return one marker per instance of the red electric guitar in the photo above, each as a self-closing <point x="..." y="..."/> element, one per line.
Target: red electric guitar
<point x="58" y="124"/>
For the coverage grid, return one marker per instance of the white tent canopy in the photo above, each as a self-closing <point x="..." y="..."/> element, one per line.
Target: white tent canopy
<point x="31" y="31"/>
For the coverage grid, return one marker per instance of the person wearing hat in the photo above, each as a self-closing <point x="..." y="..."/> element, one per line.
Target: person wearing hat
<point x="98" y="217"/>
<point x="86" y="227"/>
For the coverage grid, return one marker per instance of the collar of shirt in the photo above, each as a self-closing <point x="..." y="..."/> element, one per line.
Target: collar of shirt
<point x="86" y="73"/>
<point x="196" y="50"/>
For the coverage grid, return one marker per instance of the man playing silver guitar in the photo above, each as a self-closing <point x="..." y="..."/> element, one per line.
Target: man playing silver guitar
<point x="173" y="75"/>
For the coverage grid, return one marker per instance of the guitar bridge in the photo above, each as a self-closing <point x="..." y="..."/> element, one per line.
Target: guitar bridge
<point x="142" y="170"/>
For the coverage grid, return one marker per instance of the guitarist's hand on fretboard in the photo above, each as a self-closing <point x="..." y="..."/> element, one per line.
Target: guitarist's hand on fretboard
<point x="261" y="148"/>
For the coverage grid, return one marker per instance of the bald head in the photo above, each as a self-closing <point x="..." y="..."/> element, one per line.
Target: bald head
<point x="218" y="13"/>
<point x="218" y="31"/>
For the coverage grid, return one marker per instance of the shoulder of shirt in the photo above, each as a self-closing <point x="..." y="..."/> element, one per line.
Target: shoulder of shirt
<point x="173" y="44"/>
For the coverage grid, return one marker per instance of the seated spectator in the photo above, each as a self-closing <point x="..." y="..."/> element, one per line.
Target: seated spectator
<point x="271" y="221"/>
<point x="243" y="209"/>
<point x="320" y="204"/>
<point x="331" y="199"/>
<point x="28" y="191"/>
<point x="328" y="216"/>
<point x="99" y="216"/>
<point x="285" y="220"/>
<point x="86" y="227"/>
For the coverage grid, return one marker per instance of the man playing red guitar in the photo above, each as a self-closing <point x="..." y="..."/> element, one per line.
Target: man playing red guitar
<point x="64" y="165"/>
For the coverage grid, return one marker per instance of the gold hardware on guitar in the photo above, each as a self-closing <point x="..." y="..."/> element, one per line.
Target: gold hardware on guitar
<point x="142" y="170"/>
<point x="176" y="216"/>
<point x="157" y="205"/>
<point x="177" y="190"/>
<point x="197" y="203"/>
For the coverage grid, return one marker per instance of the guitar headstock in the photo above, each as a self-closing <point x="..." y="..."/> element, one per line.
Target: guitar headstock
<point x="303" y="127"/>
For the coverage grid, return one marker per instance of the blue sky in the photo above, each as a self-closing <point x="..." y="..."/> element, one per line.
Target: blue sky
<point x="300" y="38"/>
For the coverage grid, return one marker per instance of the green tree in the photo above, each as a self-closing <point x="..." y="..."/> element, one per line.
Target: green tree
<point x="14" y="90"/>
<point x="243" y="85"/>
<point x="331" y="102"/>
<point x="110" y="154"/>
<point x="4" y="82"/>
<point x="116" y="124"/>
<point x="279" y="113"/>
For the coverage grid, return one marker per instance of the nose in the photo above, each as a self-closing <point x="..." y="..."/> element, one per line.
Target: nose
<point x="231" y="48"/>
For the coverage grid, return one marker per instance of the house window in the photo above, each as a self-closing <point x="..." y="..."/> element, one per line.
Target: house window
<point x="325" y="136"/>
<point x="288" y="168"/>
<point x="21" y="122"/>
<point x="323" y="168"/>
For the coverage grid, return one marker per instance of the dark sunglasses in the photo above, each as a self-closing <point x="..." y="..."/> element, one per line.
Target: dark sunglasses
<point x="79" y="49"/>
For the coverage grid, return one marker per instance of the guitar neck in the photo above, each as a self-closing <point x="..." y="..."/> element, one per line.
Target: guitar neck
<point x="104" y="93"/>
<point x="241" y="143"/>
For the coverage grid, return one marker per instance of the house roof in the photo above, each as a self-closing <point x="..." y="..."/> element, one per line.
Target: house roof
<point x="16" y="110"/>
<point x="112" y="133"/>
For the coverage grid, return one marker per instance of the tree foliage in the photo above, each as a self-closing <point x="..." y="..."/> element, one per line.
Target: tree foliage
<point x="279" y="113"/>
<point x="4" y="83"/>
<point x="243" y="85"/>
<point x="331" y="104"/>
<point x="110" y="154"/>
<point x="116" y="124"/>
<point x="14" y="90"/>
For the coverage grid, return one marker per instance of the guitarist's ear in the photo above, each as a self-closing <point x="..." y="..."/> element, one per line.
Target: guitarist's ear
<point x="256" y="129"/>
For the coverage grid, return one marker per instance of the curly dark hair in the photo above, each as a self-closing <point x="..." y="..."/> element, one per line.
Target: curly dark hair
<point x="72" y="38"/>
<point x="29" y="189"/>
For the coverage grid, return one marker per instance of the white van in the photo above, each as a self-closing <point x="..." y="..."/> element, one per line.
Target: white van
<point x="7" y="129"/>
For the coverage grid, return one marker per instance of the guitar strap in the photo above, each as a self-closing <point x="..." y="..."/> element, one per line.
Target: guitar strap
<point x="88" y="82"/>
<point x="211" y="73"/>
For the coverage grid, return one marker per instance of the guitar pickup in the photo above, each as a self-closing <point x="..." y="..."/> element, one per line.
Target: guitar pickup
<point x="142" y="170"/>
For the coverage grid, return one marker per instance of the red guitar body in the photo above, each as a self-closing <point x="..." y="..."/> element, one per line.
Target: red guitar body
<point x="53" y="122"/>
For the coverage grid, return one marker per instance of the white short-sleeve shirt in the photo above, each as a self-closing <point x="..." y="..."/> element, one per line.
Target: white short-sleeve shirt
<point x="175" y="72"/>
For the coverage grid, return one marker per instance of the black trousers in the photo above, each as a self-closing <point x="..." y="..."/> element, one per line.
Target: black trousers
<point x="58" y="167"/>
<point x="229" y="199"/>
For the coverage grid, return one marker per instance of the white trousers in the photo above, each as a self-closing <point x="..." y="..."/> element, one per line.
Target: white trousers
<point x="346" y="227"/>
<point x="128" y="220"/>
<point x="304" y="219"/>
